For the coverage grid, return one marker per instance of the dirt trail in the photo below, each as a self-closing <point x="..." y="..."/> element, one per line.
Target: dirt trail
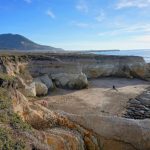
<point x="99" y="98"/>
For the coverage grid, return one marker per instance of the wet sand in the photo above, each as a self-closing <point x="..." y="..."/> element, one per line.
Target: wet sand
<point x="99" y="98"/>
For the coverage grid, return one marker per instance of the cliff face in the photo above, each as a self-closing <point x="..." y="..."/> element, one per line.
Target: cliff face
<point x="33" y="75"/>
<point x="93" y="66"/>
<point x="72" y="71"/>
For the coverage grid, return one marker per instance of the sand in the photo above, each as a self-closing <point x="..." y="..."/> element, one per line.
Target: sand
<point x="99" y="98"/>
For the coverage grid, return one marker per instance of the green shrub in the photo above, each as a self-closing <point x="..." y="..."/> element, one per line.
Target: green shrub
<point x="4" y="118"/>
<point x="19" y="145"/>
<point x="7" y="142"/>
<point x="4" y="94"/>
<point x="17" y="123"/>
<point x="10" y="123"/>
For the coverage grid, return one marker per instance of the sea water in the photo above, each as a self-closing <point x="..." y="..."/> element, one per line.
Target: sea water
<point x="143" y="53"/>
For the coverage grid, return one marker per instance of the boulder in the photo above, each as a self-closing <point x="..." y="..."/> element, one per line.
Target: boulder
<point x="78" y="83"/>
<point x="70" y="81"/>
<point x="41" y="88"/>
<point x="30" y="91"/>
<point x="47" y="81"/>
<point x="117" y="133"/>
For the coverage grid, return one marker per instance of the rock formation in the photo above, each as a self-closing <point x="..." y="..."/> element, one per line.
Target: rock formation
<point x="47" y="81"/>
<point x="58" y="131"/>
<point x="139" y="108"/>
<point x="92" y="66"/>
<point x="34" y="74"/>
<point x="70" y="81"/>
<point x="117" y="133"/>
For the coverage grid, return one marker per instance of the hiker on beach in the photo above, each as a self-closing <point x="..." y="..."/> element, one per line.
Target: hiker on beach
<point x="114" y="88"/>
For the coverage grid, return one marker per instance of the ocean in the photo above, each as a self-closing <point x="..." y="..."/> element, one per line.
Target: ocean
<point x="143" y="53"/>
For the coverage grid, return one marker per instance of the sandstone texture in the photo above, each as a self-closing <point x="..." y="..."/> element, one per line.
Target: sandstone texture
<point x="96" y="132"/>
<point x="92" y="66"/>
<point x="29" y="75"/>
<point x="30" y="91"/>
<point x="58" y="131"/>
<point x="117" y="133"/>
<point x="72" y="70"/>
<point x="71" y="81"/>
<point x="41" y="89"/>
<point x="47" y="81"/>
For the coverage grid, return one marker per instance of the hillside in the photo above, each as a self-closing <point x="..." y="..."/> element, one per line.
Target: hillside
<point x="19" y="42"/>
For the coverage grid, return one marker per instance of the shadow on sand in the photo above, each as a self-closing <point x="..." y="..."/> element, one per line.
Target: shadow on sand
<point x="104" y="83"/>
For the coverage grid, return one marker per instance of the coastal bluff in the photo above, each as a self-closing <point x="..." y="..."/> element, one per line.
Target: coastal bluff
<point x="93" y="66"/>
<point x="71" y="70"/>
<point x="28" y="76"/>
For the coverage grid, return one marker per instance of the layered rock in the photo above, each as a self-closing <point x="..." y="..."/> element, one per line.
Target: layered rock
<point x="117" y="133"/>
<point x="93" y="132"/>
<point x="58" y="131"/>
<point x="74" y="69"/>
<point x="139" y="107"/>
<point x="92" y="65"/>
<point x="67" y="131"/>
<point x="33" y="89"/>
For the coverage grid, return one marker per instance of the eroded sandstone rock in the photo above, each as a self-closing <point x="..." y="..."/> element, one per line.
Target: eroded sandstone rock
<point x="30" y="91"/>
<point x="58" y="131"/>
<point x="41" y="88"/>
<point x="92" y="66"/>
<point x="91" y="132"/>
<point x="117" y="133"/>
<point x="71" y="81"/>
<point x="47" y="81"/>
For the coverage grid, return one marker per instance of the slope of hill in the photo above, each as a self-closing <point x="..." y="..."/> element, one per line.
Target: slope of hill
<point x="19" y="42"/>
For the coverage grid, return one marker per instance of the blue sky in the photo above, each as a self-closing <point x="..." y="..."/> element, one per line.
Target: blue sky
<point x="79" y="24"/>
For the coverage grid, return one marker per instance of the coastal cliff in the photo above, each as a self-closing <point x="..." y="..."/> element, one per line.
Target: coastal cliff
<point x="33" y="75"/>
<point x="72" y="70"/>
<point x="93" y="66"/>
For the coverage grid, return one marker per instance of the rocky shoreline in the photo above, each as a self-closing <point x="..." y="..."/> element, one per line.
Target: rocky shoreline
<point x="28" y="76"/>
<point x="139" y="108"/>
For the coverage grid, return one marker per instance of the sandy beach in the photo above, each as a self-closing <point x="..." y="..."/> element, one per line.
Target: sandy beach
<point x="98" y="98"/>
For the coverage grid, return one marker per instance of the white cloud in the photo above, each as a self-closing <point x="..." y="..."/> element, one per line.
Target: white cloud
<point x="100" y="17"/>
<point x="132" y="3"/>
<point x="137" y="28"/>
<point x="82" y="6"/>
<point x="50" y="14"/>
<point x="28" y="1"/>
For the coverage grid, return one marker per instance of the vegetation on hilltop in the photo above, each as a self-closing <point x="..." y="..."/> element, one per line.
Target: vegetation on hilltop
<point x="19" y="42"/>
